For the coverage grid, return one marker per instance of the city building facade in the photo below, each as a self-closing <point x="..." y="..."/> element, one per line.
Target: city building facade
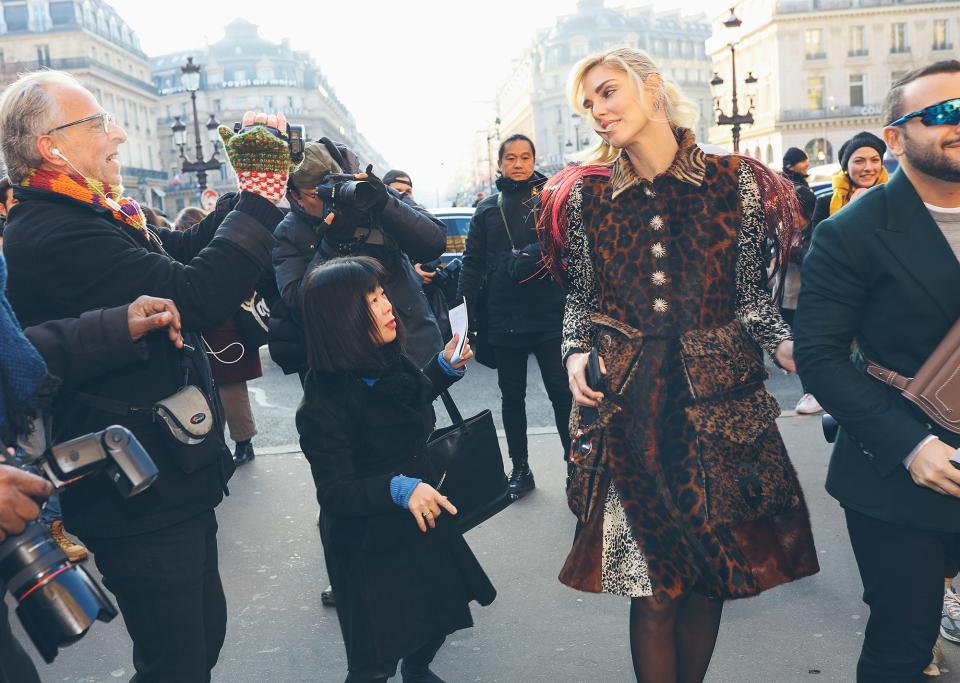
<point x="533" y="99"/>
<point x="88" y="39"/>
<point x="823" y="67"/>
<point x="245" y="72"/>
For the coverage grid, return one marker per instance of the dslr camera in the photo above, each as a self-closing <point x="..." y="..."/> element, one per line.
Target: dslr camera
<point x="57" y="600"/>
<point x="294" y="136"/>
<point x="342" y="190"/>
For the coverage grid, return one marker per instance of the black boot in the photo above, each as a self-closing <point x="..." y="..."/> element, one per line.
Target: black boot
<point x="243" y="453"/>
<point x="521" y="480"/>
<point x="418" y="673"/>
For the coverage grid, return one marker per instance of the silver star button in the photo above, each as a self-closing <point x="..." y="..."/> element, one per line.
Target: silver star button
<point x="656" y="223"/>
<point x="649" y="192"/>
<point x="659" y="278"/>
<point x="660" y="305"/>
<point x="658" y="250"/>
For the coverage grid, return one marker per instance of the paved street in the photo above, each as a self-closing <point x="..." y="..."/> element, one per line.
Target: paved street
<point x="537" y="630"/>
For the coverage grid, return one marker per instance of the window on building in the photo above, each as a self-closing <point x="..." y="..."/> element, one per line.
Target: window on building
<point x="43" y="55"/>
<point x="150" y="158"/>
<point x="856" y="90"/>
<point x="769" y="153"/>
<point x="16" y="17"/>
<point x="216" y="106"/>
<point x="941" y="38"/>
<point x="898" y="38"/>
<point x="813" y="43"/>
<point x="62" y="13"/>
<point x="814" y="92"/>
<point x="856" y="47"/>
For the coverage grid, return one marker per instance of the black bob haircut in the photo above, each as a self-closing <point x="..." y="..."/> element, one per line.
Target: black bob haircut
<point x="341" y="332"/>
<point x="516" y="137"/>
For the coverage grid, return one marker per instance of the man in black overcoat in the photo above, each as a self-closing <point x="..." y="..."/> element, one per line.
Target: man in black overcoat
<point x="883" y="275"/>
<point x="75" y="244"/>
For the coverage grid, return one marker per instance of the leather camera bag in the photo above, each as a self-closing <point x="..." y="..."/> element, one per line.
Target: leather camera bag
<point x="936" y="387"/>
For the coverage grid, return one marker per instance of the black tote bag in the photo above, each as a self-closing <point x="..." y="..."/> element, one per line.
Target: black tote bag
<point x="467" y="457"/>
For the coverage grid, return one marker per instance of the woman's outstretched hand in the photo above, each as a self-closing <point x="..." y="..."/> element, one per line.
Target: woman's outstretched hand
<point x="577" y="378"/>
<point x="426" y="504"/>
<point x="451" y="348"/>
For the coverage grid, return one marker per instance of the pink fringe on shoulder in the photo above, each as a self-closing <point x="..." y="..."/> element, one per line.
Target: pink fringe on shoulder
<point x="552" y="225"/>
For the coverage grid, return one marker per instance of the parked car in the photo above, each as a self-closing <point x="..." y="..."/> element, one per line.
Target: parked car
<point x="457" y="219"/>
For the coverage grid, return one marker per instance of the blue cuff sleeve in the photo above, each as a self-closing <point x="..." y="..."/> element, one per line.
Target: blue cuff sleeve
<point x="447" y="368"/>
<point x="401" y="488"/>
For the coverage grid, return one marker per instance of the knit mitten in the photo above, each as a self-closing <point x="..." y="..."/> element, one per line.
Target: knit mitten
<point x="260" y="159"/>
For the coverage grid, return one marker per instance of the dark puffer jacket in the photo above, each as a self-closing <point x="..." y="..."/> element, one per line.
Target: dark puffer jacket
<point x="520" y="297"/>
<point x="406" y="231"/>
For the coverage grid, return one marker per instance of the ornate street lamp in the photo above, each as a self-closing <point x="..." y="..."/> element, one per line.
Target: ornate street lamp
<point x="735" y="118"/>
<point x="190" y="78"/>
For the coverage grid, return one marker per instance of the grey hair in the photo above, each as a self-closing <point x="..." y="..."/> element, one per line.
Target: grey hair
<point x="28" y="111"/>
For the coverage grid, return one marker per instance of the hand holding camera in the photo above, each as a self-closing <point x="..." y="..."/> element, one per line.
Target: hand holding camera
<point x="263" y="150"/>
<point x="18" y="493"/>
<point x="362" y="192"/>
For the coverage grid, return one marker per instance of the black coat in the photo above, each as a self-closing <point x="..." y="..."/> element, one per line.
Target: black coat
<point x="65" y="258"/>
<point x="303" y="243"/>
<point x="517" y="301"/>
<point x="880" y="273"/>
<point x="805" y="195"/>
<point x="397" y="588"/>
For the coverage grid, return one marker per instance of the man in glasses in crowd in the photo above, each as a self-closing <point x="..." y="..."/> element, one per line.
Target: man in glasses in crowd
<point x="884" y="272"/>
<point x="75" y="243"/>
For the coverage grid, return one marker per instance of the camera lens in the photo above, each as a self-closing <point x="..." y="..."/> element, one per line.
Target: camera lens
<point x="358" y="193"/>
<point x="57" y="600"/>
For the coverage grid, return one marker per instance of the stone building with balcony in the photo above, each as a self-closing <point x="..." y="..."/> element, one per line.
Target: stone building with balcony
<point x="823" y="67"/>
<point x="88" y="39"/>
<point x="245" y="72"/>
<point x="533" y="99"/>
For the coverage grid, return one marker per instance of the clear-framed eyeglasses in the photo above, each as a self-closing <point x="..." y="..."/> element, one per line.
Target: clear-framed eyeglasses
<point x="106" y="120"/>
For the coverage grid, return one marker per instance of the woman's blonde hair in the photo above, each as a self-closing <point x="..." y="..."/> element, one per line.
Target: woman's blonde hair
<point x="680" y="112"/>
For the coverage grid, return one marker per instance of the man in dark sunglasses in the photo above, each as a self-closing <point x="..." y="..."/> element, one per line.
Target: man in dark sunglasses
<point x="885" y="272"/>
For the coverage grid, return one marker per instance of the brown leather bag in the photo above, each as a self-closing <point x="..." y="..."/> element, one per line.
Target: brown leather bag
<point x="936" y="387"/>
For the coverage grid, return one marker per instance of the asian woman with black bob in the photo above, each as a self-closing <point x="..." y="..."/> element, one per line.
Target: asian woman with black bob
<point x="402" y="572"/>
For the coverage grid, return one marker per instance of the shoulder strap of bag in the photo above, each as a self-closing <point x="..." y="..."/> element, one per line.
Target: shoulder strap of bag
<point x="452" y="410"/>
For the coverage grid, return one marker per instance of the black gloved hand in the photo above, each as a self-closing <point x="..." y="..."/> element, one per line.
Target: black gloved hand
<point x="380" y="190"/>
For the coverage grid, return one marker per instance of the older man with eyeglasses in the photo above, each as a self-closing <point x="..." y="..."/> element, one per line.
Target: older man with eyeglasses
<point x="76" y="243"/>
<point x="885" y="273"/>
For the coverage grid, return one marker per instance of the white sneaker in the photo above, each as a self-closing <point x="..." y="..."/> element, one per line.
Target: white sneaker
<point x="808" y="405"/>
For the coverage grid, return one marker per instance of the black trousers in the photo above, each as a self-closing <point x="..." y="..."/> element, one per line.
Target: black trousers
<point x="512" y="378"/>
<point x="167" y="585"/>
<point x="15" y="664"/>
<point x="419" y="659"/>
<point x="902" y="569"/>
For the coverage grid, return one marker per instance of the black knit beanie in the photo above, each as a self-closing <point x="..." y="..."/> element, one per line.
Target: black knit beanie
<point x="863" y="139"/>
<point x="792" y="156"/>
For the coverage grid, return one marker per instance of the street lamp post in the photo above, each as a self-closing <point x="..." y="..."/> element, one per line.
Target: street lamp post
<point x="191" y="83"/>
<point x="735" y="118"/>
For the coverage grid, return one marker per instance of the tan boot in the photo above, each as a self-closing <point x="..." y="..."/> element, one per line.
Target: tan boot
<point x="933" y="668"/>
<point x="74" y="550"/>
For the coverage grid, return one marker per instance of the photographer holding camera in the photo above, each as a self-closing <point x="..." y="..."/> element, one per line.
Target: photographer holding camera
<point x="75" y="243"/>
<point x="393" y="229"/>
<point x="72" y="350"/>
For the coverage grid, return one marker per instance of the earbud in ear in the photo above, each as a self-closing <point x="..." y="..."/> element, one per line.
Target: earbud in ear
<point x="57" y="153"/>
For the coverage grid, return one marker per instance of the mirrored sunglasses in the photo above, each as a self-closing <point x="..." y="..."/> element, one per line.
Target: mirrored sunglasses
<point x="946" y="113"/>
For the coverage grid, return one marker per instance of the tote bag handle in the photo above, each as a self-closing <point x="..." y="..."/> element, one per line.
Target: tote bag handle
<point x="454" y="412"/>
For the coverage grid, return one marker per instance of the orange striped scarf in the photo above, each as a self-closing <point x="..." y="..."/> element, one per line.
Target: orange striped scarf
<point x="91" y="192"/>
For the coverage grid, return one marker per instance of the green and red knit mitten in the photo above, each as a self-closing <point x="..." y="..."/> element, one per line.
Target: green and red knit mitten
<point x="260" y="159"/>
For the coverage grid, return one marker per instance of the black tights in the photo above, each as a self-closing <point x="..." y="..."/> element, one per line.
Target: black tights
<point x="672" y="641"/>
